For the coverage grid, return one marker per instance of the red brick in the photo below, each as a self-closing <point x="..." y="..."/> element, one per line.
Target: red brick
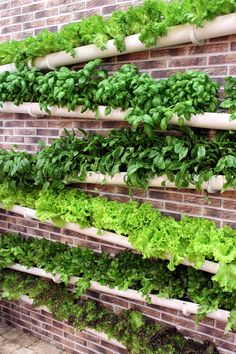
<point x="22" y="18"/>
<point x="5" y="5"/>
<point x="177" y="197"/>
<point x="92" y="245"/>
<point x="199" y="61"/>
<point x="133" y="56"/>
<point x="46" y="13"/>
<point x="33" y="8"/>
<point x="202" y="200"/>
<point x="222" y="39"/>
<point x="78" y="16"/>
<point x="181" y="208"/>
<point x="211" y="331"/>
<point x="146" y="310"/>
<point x="98" y="3"/>
<point x="209" y="48"/>
<point x="179" y="321"/>
<point x="9" y="29"/>
<point x="4" y="38"/>
<point x="221" y="214"/>
<point x="63" y="123"/>
<point x="76" y="339"/>
<point x="8" y="13"/>
<point x="99" y="349"/>
<point x="115" y="300"/>
<point x="233" y="46"/>
<point x="52" y="329"/>
<point x="14" y="139"/>
<point x="24" y="131"/>
<point x="47" y="132"/>
<point x="38" y="316"/>
<point x="232" y="70"/>
<point x="58" y="20"/>
<point x="229" y="204"/>
<point x="58" y="2"/>
<point x="230" y="224"/>
<point x="4" y="22"/>
<point x="71" y="8"/>
<point x="113" y="347"/>
<point x="88" y="336"/>
<point x="34" y="24"/>
<point x="222" y="59"/>
<point x="18" y="3"/>
<point x="226" y="345"/>
<point x="64" y="341"/>
<point x="42" y="332"/>
<point x="169" y="52"/>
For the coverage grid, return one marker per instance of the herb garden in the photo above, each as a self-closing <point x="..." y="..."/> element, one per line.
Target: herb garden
<point x="117" y="186"/>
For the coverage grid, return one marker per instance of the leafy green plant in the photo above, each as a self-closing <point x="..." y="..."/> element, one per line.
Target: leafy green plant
<point x="151" y="20"/>
<point x="69" y="158"/>
<point x="151" y="103"/>
<point x="64" y="88"/>
<point x="140" y="334"/>
<point x="230" y="101"/>
<point x="151" y="233"/>
<point x="125" y="270"/>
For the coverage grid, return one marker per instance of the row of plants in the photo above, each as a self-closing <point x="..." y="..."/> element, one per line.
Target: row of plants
<point x="149" y="232"/>
<point x="181" y="157"/>
<point x="125" y="270"/>
<point x="151" y="102"/>
<point x="140" y="334"/>
<point x="152" y="20"/>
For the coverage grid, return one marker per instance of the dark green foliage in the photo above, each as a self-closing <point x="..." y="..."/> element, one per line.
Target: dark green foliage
<point x="125" y="270"/>
<point x="64" y="88"/>
<point x="152" y="103"/>
<point x="138" y="333"/>
<point x="230" y="101"/>
<point x="181" y="158"/>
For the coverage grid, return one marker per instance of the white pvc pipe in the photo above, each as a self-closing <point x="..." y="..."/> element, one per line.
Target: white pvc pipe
<point x="220" y="26"/>
<point x="187" y="308"/>
<point x="33" y="109"/>
<point x="207" y="266"/>
<point x="214" y="184"/>
<point x="206" y="120"/>
<point x="90" y="231"/>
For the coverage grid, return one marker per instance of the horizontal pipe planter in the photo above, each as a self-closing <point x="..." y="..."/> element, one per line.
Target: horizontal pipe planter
<point x="206" y="120"/>
<point x="220" y="26"/>
<point x="207" y="266"/>
<point x="187" y="308"/>
<point x="101" y="335"/>
<point x="215" y="183"/>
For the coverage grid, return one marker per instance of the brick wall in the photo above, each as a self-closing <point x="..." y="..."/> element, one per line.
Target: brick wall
<point x="20" y="18"/>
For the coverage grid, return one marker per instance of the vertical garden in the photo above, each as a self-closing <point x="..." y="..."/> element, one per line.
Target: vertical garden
<point x="118" y="174"/>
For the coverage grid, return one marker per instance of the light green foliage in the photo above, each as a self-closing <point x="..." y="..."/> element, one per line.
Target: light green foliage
<point x="149" y="232"/>
<point x="125" y="270"/>
<point x="152" y="20"/>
